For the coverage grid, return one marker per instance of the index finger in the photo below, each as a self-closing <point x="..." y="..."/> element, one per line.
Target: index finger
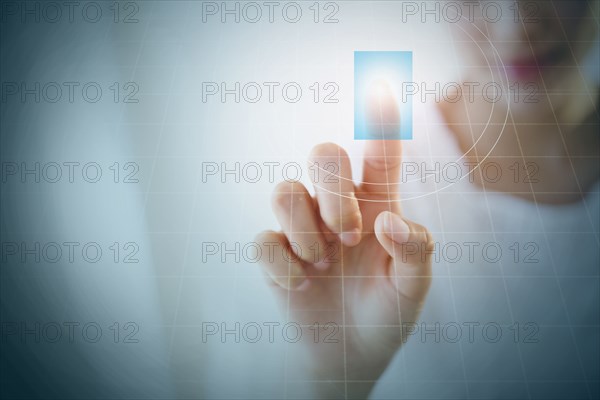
<point x="381" y="171"/>
<point x="382" y="159"/>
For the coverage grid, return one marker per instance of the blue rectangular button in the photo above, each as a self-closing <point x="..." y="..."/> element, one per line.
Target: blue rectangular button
<point x="382" y="109"/>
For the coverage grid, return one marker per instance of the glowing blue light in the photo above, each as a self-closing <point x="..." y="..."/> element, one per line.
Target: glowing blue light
<point x="371" y="68"/>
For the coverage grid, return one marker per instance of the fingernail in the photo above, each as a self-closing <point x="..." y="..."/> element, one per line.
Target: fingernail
<point x="292" y="279"/>
<point x="322" y="265"/>
<point x="351" y="238"/>
<point x="383" y="117"/>
<point x="395" y="228"/>
<point x="303" y="286"/>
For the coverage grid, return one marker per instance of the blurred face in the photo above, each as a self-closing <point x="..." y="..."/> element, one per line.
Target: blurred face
<point x="535" y="39"/>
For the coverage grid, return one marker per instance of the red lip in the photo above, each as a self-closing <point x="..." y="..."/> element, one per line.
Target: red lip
<point x="523" y="70"/>
<point x="531" y="67"/>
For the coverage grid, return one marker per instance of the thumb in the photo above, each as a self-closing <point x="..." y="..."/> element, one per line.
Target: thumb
<point x="410" y="246"/>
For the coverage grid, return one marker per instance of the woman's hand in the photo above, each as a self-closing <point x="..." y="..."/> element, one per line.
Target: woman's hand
<point x="347" y="267"/>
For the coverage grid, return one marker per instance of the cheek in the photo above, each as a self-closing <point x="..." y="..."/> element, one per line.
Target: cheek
<point x="475" y="35"/>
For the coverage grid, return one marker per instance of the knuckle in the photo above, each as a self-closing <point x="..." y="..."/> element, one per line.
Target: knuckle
<point x="382" y="163"/>
<point x="310" y="250"/>
<point x="424" y="237"/>
<point x="420" y="237"/>
<point x="337" y="222"/>
<point x="287" y="192"/>
<point x="428" y="240"/>
<point x="264" y="237"/>
<point x="327" y="150"/>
